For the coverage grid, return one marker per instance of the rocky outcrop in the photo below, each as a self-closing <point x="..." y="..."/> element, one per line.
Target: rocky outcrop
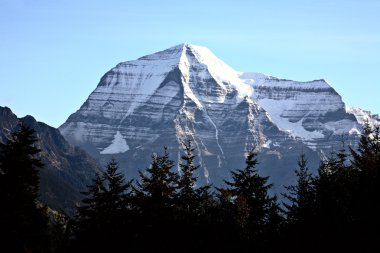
<point x="187" y="92"/>
<point x="68" y="169"/>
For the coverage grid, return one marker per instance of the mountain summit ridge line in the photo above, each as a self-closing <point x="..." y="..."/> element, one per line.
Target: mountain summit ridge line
<point x="186" y="92"/>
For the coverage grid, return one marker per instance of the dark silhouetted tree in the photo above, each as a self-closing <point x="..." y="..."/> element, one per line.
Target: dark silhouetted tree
<point x="300" y="197"/>
<point x="366" y="161"/>
<point x="101" y="222"/>
<point x="23" y="222"/>
<point x="300" y="208"/>
<point x="248" y="198"/>
<point x="189" y="197"/>
<point x="334" y="188"/>
<point x="192" y="202"/>
<point x="155" y="195"/>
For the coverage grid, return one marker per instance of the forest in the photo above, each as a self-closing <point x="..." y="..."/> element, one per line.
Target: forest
<point x="166" y="210"/>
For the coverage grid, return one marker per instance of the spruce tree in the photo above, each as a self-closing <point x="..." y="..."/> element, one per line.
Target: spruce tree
<point x="23" y="221"/>
<point x="118" y="192"/>
<point x="300" y="197"/>
<point x="159" y="186"/>
<point x="89" y="221"/>
<point x="191" y="205"/>
<point x="248" y="194"/>
<point x="366" y="161"/>
<point x="156" y="194"/>
<point x="103" y="219"/>
<point x="334" y="194"/>
<point x="190" y="198"/>
<point x="299" y="208"/>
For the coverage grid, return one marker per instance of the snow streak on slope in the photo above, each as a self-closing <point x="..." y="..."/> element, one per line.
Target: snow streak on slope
<point x="186" y="92"/>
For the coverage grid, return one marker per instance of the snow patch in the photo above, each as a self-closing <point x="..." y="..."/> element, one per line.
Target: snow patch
<point x="267" y="144"/>
<point x="275" y="108"/>
<point x="118" y="145"/>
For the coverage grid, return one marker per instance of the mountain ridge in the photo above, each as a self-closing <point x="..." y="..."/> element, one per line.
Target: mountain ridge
<point x="186" y="92"/>
<point x="67" y="171"/>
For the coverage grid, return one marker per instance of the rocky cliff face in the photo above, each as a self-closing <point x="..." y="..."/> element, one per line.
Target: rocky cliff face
<point x="310" y="111"/>
<point x="187" y="92"/>
<point x="67" y="169"/>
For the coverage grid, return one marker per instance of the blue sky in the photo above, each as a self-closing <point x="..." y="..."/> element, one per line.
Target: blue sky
<point x="53" y="53"/>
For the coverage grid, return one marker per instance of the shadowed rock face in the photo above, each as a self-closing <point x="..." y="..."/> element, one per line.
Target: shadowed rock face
<point x="187" y="92"/>
<point x="67" y="169"/>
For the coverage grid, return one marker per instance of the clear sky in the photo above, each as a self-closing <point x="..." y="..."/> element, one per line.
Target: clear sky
<point x="53" y="52"/>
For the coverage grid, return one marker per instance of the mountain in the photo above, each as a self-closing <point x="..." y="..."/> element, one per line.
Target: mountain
<point x="67" y="169"/>
<point x="187" y="92"/>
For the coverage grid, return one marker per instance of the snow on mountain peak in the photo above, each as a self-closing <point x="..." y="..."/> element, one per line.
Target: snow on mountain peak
<point x="187" y="72"/>
<point x="226" y="77"/>
<point x="186" y="92"/>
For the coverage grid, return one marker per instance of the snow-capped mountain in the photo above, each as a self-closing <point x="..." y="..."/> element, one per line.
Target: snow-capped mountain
<point x="185" y="92"/>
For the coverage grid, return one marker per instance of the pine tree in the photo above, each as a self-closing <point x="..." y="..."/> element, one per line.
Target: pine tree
<point x="191" y="202"/>
<point x="366" y="161"/>
<point x="300" y="197"/>
<point x="334" y="194"/>
<point x="23" y="222"/>
<point x="299" y="208"/>
<point x="118" y="192"/>
<point x="159" y="186"/>
<point x="156" y="194"/>
<point x="248" y="194"/>
<point x="101" y="221"/>
<point x="91" y="215"/>
<point x="190" y="199"/>
<point x="366" y="158"/>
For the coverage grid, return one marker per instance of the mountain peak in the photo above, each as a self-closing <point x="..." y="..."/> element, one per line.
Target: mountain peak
<point x="175" y="52"/>
<point x="186" y="92"/>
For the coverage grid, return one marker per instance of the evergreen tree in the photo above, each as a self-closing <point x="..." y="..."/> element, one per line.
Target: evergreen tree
<point x="249" y="197"/>
<point x="156" y="198"/>
<point x="191" y="204"/>
<point x="159" y="186"/>
<point x="189" y="199"/>
<point x="334" y="195"/>
<point x="89" y="222"/>
<point x="300" y="197"/>
<point x="366" y="162"/>
<point x="366" y="158"/>
<point x="299" y="208"/>
<point x="103" y="219"/>
<point x="23" y="222"/>
<point x="118" y="192"/>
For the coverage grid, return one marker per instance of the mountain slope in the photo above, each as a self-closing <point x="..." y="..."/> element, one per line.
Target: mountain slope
<point x="67" y="169"/>
<point x="187" y="92"/>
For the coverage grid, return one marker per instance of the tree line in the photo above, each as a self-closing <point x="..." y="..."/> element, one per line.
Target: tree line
<point x="165" y="208"/>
